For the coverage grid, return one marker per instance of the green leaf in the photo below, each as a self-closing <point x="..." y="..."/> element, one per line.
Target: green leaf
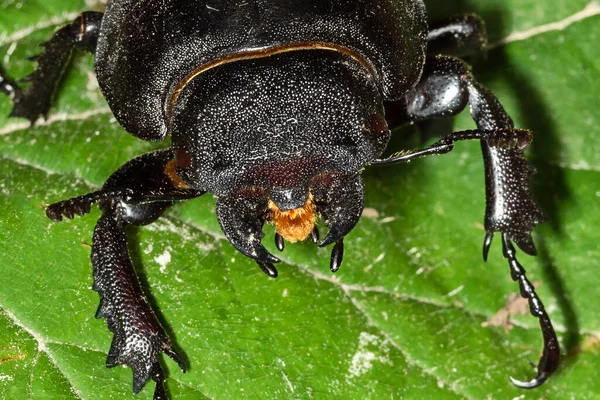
<point x="401" y="319"/>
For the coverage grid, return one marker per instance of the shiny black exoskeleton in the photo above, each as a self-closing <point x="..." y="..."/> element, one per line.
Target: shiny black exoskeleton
<point x="274" y="107"/>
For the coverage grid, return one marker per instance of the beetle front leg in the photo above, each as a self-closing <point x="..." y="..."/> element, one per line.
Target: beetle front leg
<point x="446" y="88"/>
<point x="136" y="194"/>
<point x="34" y="101"/>
<point x="138" y="336"/>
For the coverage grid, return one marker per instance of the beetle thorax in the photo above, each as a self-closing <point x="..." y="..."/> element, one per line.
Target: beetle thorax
<point x="276" y="122"/>
<point x="279" y="133"/>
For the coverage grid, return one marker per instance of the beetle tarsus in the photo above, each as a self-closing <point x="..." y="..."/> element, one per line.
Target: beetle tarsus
<point x="157" y="376"/>
<point x="337" y="255"/>
<point x="550" y="358"/>
<point x="447" y="86"/>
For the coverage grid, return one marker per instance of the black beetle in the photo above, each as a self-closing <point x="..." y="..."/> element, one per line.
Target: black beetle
<point x="274" y="107"/>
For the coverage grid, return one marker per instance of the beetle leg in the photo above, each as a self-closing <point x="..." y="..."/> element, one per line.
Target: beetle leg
<point x="445" y="89"/>
<point x="34" y="101"/>
<point x="138" y="336"/>
<point x="460" y="35"/>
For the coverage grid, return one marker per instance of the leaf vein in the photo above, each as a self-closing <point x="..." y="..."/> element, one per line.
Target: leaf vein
<point x="42" y="347"/>
<point x="590" y="10"/>
<point x="19" y="126"/>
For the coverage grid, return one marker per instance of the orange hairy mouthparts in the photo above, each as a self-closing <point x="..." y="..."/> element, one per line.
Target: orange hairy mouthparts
<point x="294" y="225"/>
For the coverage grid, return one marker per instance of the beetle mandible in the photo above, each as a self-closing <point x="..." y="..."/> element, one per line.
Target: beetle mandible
<point x="274" y="107"/>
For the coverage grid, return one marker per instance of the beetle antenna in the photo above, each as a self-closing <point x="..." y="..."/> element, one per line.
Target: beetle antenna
<point x="551" y="351"/>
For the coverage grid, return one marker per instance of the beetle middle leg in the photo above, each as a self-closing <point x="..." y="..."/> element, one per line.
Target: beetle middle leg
<point x="138" y="336"/>
<point x="446" y="88"/>
<point x="34" y="101"/>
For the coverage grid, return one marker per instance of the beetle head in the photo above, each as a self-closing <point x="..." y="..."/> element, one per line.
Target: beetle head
<point x="280" y="139"/>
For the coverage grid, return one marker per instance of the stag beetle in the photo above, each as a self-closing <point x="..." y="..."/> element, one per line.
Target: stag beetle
<point x="274" y="107"/>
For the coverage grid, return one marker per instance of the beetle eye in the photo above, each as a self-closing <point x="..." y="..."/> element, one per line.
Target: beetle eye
<point x="182" y="159"/>
<point x="379" y="125"/>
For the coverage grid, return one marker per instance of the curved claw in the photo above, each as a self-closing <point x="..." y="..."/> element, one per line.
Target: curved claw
<point x="532" y="384"/>
<point x="487" y="242"/>
<point x="337" y="233"/>
<point x="241" y="221"/>
<point x="175" y="357"/>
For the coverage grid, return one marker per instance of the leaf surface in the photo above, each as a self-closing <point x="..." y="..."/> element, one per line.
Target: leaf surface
<point x="401" y="319"/>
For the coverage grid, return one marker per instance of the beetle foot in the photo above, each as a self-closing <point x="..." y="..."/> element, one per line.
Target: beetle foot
<point x="550" y="358"/>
